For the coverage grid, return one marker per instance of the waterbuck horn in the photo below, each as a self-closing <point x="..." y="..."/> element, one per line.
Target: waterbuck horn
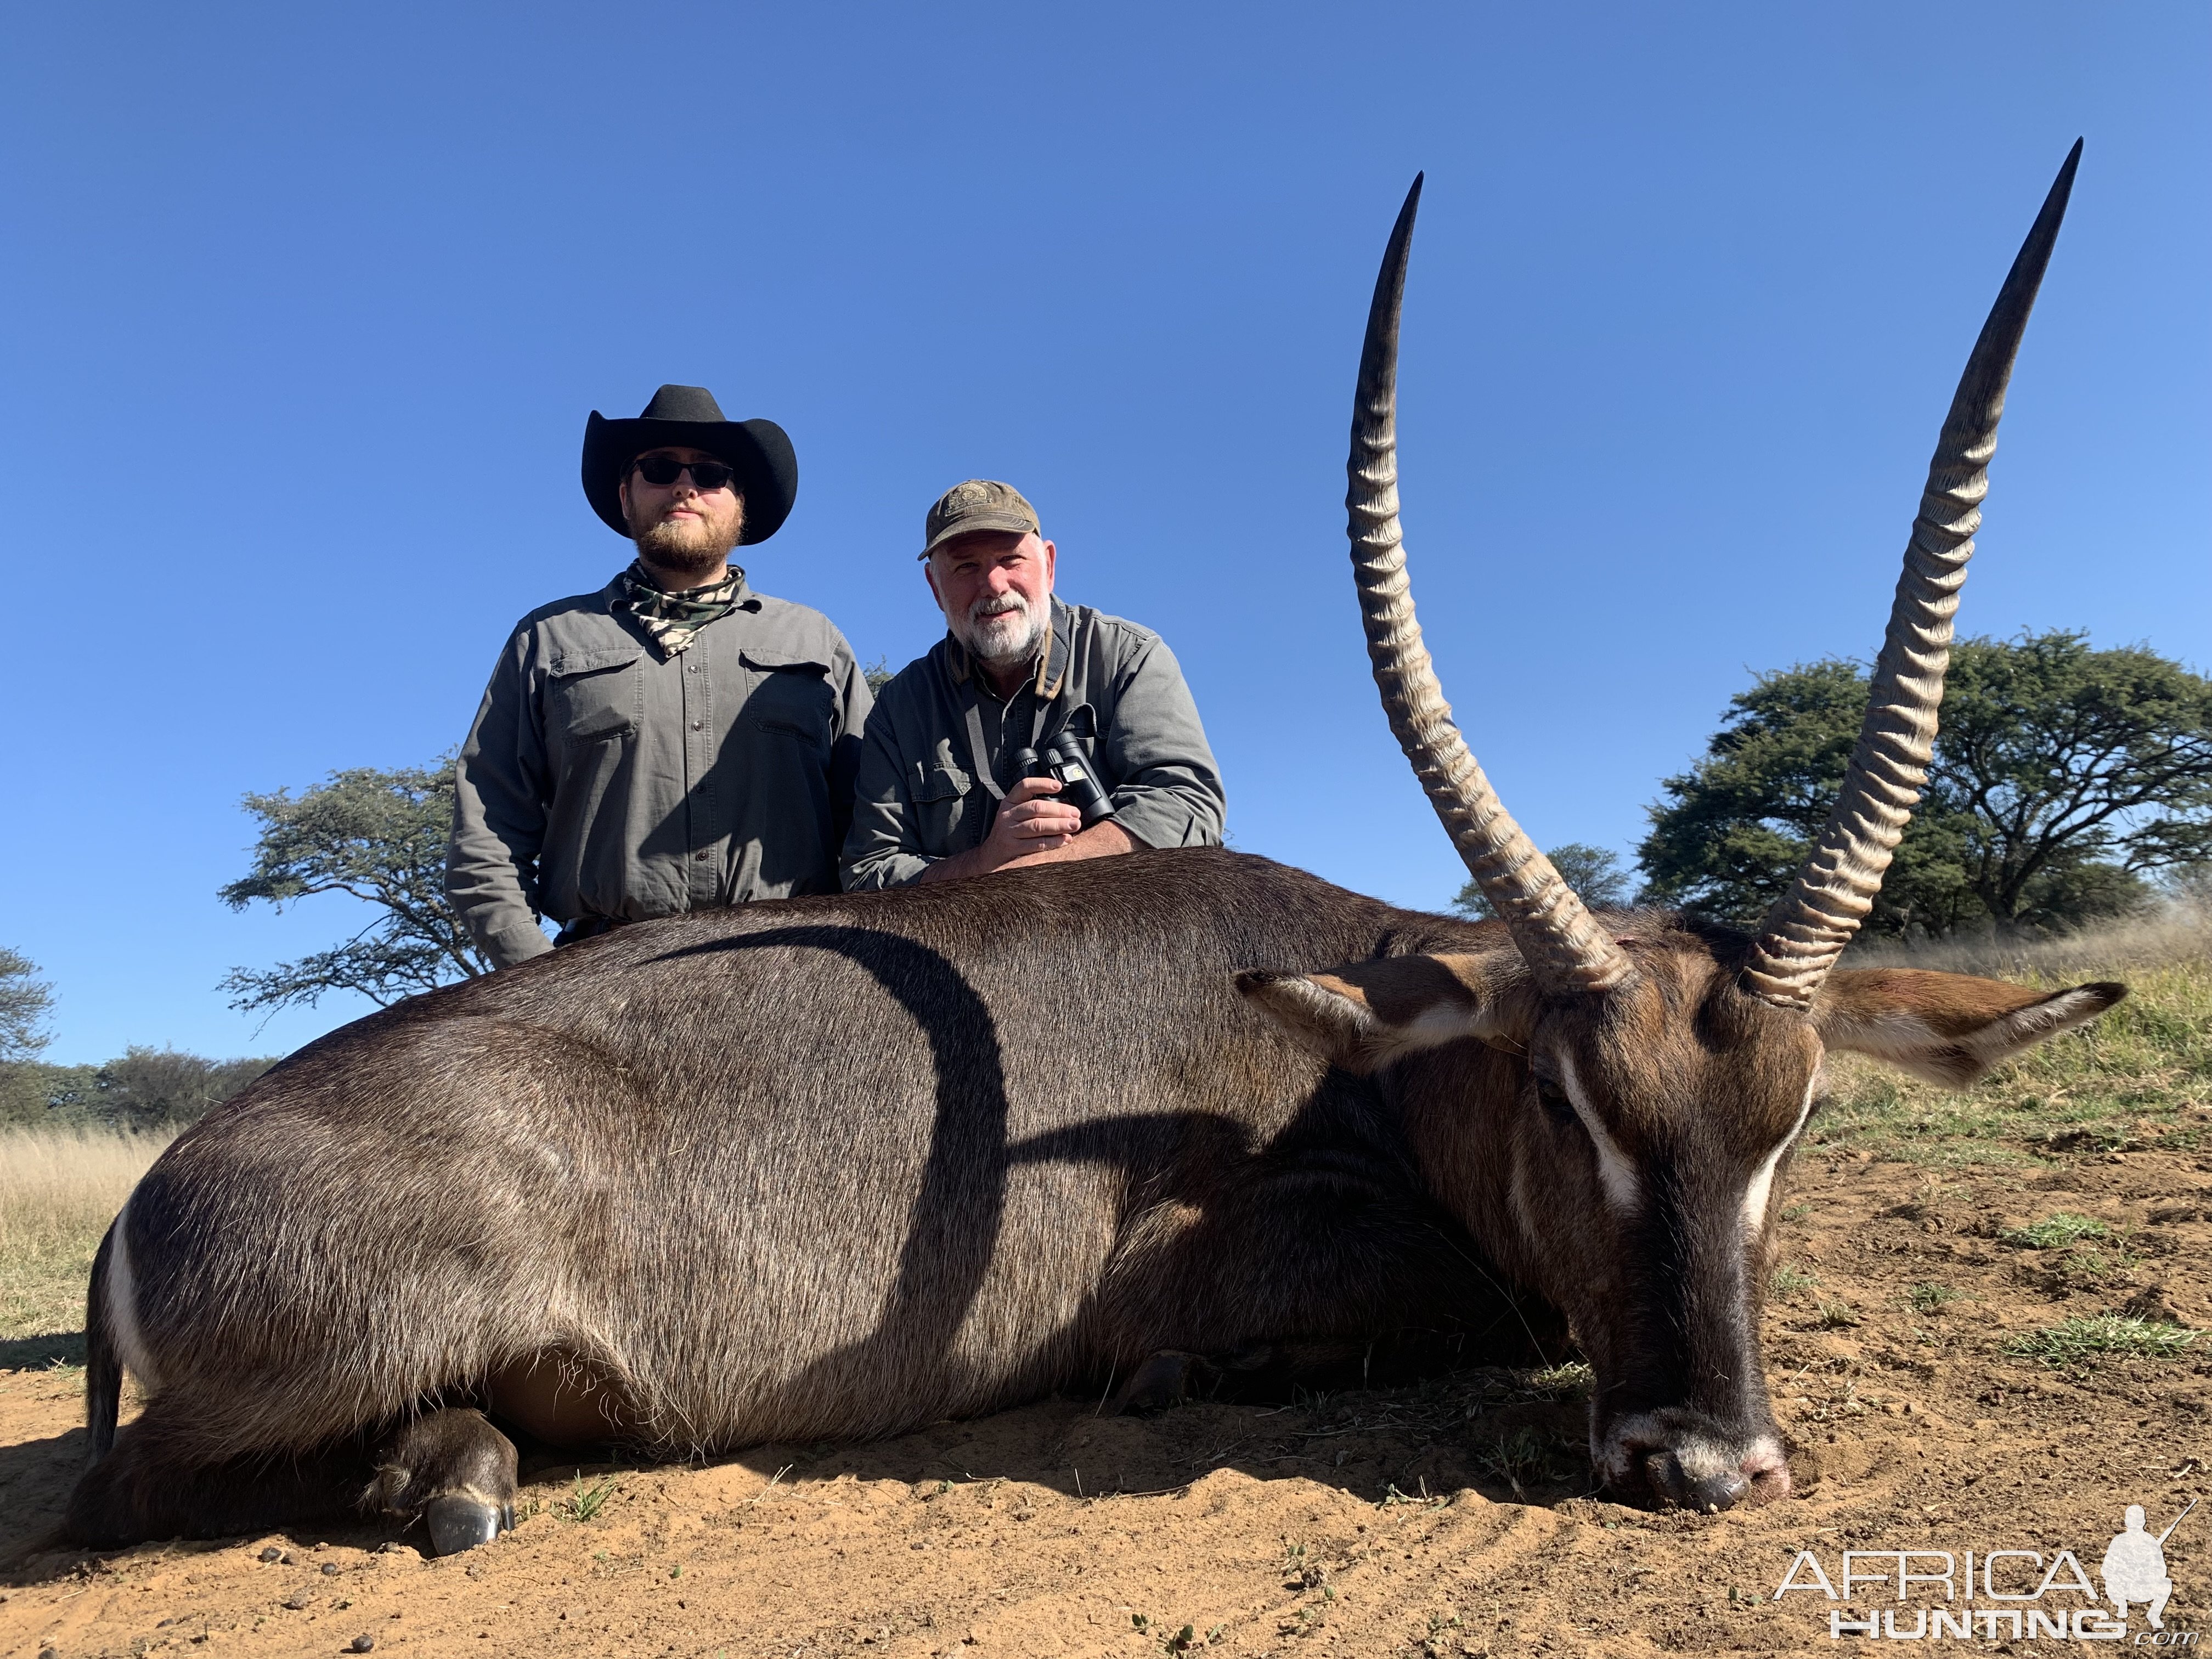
<point x="1808" y="927"/>
<point x="1563" y="944"/>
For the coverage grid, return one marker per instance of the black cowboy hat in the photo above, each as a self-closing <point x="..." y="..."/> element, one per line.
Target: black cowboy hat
<point x="688" y="418"/>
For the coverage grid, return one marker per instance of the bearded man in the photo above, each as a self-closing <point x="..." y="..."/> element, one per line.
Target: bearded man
<point x="675" y="740"/>
<point x="939" y="795"/>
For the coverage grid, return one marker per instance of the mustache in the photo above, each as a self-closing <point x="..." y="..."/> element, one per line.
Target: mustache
<point x="1004" y="605"/>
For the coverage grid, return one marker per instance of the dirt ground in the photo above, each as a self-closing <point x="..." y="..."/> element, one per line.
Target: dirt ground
<point x="1447" y="1519"/>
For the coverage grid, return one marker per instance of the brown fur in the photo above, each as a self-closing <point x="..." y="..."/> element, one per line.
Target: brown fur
<point x="832" y="1167"/>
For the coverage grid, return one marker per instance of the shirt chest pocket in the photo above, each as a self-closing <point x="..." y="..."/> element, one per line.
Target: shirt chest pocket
<point x="941" y="800"/>
<point x="595" y="695"/>
<point x="790" y="696"/>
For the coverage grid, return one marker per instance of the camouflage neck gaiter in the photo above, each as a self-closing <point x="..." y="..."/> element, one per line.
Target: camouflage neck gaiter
<point x="672" y="619"/>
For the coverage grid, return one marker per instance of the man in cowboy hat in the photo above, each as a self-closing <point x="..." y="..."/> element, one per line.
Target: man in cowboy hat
<point x="940" y="794"/>
<point x="675" y="740"/>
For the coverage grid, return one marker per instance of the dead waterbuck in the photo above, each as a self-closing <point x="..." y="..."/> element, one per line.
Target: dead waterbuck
<point x="834" y="1167"/>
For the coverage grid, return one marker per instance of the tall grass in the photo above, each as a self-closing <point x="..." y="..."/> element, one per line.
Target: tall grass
<point x="2140" y="1076"/>
<point x="2179" y="931"/>
<point x="58" y="1190"/>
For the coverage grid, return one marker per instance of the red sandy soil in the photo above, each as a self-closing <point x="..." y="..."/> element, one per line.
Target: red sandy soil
<point x="1384" y="1523"/>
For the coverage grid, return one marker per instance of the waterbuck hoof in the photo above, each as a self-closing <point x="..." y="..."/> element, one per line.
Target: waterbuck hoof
<point x="462" y="1523"/>
<point x="1169" y="1379"/>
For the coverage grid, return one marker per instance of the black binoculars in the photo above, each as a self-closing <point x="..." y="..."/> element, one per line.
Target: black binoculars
<point x="1064" y="761"/>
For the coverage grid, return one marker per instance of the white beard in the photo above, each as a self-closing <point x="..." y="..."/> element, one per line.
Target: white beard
<point x="1002" y="629"/>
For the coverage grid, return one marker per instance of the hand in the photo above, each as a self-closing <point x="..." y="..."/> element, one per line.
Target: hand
<point x="1101" y="840"/>
<point x="1029" y="822"/>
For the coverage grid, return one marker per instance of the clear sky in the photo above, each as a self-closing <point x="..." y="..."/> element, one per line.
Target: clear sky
<point x="305" y="307"/>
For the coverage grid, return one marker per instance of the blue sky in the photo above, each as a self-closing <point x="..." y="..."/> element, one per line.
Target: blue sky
<point x="307" y="305"/>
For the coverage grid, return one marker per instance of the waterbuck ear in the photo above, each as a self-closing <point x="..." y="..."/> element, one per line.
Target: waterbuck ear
<point x="1366" y="1015"/>
<point x="1948" y="1028"/>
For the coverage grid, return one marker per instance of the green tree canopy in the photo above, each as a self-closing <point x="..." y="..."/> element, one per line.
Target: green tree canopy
<point x="2062" y="776"/>
<point x="380" y="837"/>
<point x="146" y="1089"/>
<point x="155" y="1088"/>
<point x="25" y="1001"/>
<point x="1595" y="872"/>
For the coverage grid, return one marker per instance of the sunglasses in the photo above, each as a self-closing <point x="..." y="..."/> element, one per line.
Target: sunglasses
<point x="661" y="471"/>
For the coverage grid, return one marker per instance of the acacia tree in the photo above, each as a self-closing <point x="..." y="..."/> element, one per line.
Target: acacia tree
<point x="380" y="837"/>
<point x="25" y="1001"/>
<point x="2062" y="777"/>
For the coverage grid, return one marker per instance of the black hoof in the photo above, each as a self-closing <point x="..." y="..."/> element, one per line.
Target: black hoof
<point x="462" y="1523"/>
<point x="1169" y="1379"/>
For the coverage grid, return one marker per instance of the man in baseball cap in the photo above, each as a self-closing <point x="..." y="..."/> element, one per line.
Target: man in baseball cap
<point x="675" y="740"/>
<point x="941" y="793"/>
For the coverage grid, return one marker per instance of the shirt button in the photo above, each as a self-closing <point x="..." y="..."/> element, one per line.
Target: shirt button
<point x="698" y="858"/>
<point x="698" y="726"/>
<point x="690" y="667"/>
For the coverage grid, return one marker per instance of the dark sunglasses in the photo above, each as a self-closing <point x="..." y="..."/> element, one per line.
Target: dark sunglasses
<point x="662" y="471"/>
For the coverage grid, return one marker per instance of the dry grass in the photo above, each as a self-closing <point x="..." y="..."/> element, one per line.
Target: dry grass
<point x="2139" y="1076"/>
<point x="58" y="1190"/>
<point x="2174" y="933"/>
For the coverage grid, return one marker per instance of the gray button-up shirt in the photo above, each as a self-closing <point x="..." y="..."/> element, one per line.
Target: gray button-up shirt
<point x="1112" y="683"/>
<point x="601" y="779"/>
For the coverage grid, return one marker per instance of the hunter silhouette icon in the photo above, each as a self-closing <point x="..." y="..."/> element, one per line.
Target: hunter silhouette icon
<point x="2134" y="1567"/>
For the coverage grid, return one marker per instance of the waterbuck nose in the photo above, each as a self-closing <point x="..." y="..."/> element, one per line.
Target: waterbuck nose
<point x="1695" y="1483"/>
<point x="1707" y="1494"/>
<point x="1683" y="1458"/>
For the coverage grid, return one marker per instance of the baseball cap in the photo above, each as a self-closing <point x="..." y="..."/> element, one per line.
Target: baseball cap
<point x="977" y="504"/>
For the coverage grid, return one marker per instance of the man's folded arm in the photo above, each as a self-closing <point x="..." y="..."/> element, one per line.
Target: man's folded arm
<point x="1170" y="791"/>
<point x="881" y="849"/>
<point x="499" y="821"/>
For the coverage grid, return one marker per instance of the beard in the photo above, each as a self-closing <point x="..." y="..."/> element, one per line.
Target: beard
<point x="690" y="548"/>
<point x="1003" y="629"/>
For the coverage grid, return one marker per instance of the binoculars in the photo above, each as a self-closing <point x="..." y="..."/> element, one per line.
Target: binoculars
<point x="1064" y="761"/>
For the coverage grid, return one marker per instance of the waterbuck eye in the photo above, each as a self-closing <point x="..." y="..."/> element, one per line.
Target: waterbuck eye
<point x="1554" y="1100"/>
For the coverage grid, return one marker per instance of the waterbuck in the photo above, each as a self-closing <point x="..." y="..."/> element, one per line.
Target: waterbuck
<point x="834" y="1167"/>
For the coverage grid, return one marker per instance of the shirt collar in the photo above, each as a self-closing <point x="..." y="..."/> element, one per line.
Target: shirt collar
<point x="1051" y="662"/>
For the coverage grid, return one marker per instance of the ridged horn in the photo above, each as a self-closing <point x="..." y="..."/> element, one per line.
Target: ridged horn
<point x="1563" y="944"/>
<point x="1808" y="926"/>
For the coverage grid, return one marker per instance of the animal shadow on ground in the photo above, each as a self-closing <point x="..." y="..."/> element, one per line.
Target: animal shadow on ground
<point x="1515" y="1435"/>
<point x="35" y="1478"/>
<point x="30" y="1354"/>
